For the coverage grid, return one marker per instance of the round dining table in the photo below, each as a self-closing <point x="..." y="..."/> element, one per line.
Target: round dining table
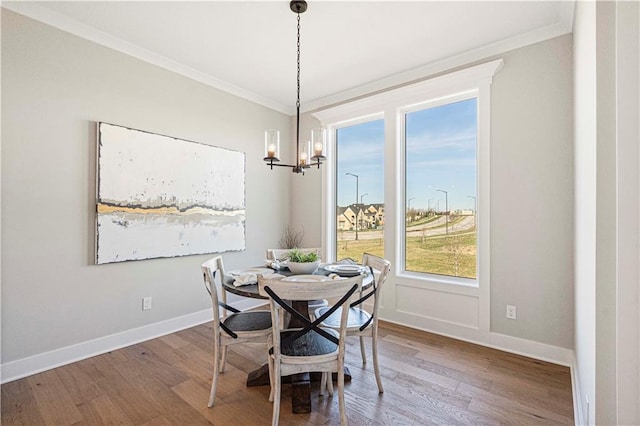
<point x="301" y="383"/>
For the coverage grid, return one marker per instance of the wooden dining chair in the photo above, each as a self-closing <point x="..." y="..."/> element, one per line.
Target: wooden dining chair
<point x="307" y="347"/>
<point x="229" y="329"/>
<point x="360" y="322"/>
<point x="281" y="254"/>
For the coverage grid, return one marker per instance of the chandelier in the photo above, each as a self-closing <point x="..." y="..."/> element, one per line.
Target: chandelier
<point x="304" y="157"/>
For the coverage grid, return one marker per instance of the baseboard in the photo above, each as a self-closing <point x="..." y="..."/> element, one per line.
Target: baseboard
<point x="35" y="364"/>
<point x="515" y="345"/>
<point x="46" y="361"/>
<point x="531" y="349"/>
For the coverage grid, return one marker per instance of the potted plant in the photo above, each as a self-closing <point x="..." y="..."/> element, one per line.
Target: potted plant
<point x="300" y="262"/>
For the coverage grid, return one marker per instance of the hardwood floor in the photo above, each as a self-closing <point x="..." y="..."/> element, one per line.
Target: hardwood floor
<point x="428" y="379"/>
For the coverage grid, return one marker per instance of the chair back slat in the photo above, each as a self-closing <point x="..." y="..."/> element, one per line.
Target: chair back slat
<point x="307" y="290"/>
<point x="280" y="291"/>
<point x="307" y="324"/>
<point x="380" y="268"/>
<point x="211" y="269"/>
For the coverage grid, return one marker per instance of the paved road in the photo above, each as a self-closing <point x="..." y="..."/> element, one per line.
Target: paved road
<point x="436" y="227"/>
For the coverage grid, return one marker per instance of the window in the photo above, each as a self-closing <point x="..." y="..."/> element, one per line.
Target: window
<point x="435" y="218"/>
<point x="440" y="184"/>
<point x="359" y="222"/>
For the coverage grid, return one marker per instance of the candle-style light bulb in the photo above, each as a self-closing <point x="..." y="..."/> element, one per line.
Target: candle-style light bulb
<point x="318" y="139"/>
<point x="271" y="151"/>
<point x="271" y="145"/>
<point x="305" y="148"/>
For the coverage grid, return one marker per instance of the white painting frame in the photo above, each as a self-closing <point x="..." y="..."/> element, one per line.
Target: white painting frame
<point x="159" y="196"/>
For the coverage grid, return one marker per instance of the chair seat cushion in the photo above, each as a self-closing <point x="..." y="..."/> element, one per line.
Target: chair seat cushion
<point x="310" y="344"/>
<point x="314" y="304"/>
<point x="356" y="317"/>
<point x="249" y="321"/>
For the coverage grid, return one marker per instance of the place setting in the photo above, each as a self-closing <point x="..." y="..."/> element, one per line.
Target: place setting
<point x="346" y="268"/>
<point x="249" y="276"/>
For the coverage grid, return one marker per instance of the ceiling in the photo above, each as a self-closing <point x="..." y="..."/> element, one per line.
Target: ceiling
<point x="349" y="48"/>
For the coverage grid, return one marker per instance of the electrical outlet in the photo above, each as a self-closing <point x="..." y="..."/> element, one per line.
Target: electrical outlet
<point x="146" y="303"/>
<point x="511" y="312"/>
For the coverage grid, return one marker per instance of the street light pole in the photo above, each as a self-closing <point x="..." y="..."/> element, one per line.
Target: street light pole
<point x="446" y="206"/>
<point x="429" y="203"/>
<point x="356" y="205"/>
<point x="361" y="197"/>
<point x="409" y="202"/>
<point x="475" y="208"/>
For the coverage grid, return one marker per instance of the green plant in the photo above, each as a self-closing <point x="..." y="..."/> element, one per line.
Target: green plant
<point x="298" y="256"/>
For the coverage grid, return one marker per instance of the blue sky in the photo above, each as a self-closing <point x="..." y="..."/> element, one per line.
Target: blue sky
<point x="441" y="154"/>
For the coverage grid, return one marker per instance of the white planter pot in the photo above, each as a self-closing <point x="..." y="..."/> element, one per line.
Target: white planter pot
<point x="303" y="268"/>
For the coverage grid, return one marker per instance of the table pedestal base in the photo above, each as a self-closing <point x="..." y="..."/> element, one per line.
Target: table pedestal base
<point x="300" y="393"/>
<point x="301" y="385"/>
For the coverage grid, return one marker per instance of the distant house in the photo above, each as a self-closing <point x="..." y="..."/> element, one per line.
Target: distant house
<point x="367" y="215"/>
<point x="380" y="214"/>
<point x="346" y="218"/>
<point x="374" y="215"/>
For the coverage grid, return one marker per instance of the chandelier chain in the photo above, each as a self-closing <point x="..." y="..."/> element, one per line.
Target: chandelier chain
<point x="304" y="160"/>
<point x="298" y="98"/>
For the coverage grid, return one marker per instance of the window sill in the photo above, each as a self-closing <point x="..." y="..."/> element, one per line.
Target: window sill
<point x="440" y="283"/>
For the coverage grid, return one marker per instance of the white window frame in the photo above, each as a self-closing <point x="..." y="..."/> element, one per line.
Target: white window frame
<point x="401" y="233"/>
<point x="392" y="105"/>
<point x="329" y="222"/>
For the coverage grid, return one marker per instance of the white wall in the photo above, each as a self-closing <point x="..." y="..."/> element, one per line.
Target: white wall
<point x="607" y="98"/>
<point x="628" y="200"/>
<point x="307" y="201"/>
<point x="532" y="193"/>
<point x="55" y="86"/>
<point x="606" y="207"/>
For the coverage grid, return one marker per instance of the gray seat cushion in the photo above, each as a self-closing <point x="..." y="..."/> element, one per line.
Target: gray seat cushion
<point x="308" y="345"/>
<point x="356" y="318"/>
<point x="248" y="321"/>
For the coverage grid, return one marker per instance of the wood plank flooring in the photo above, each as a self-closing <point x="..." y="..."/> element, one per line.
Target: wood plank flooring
<point x="428" y="379"/>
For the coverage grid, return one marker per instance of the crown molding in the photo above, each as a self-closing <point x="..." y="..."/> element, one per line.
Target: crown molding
<point x="32" y="10"/>
<point x="562" y="27"/>
<point x="72" y="26"/>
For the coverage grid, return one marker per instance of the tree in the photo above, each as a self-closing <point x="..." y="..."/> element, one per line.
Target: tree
<point x="454" y="248"/>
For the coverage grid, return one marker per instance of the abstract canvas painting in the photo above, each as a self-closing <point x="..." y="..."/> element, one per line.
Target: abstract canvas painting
<point x="159" y="196"/>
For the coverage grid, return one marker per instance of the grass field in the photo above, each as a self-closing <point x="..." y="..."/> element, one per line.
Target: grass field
<point x="453" y="255"/>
